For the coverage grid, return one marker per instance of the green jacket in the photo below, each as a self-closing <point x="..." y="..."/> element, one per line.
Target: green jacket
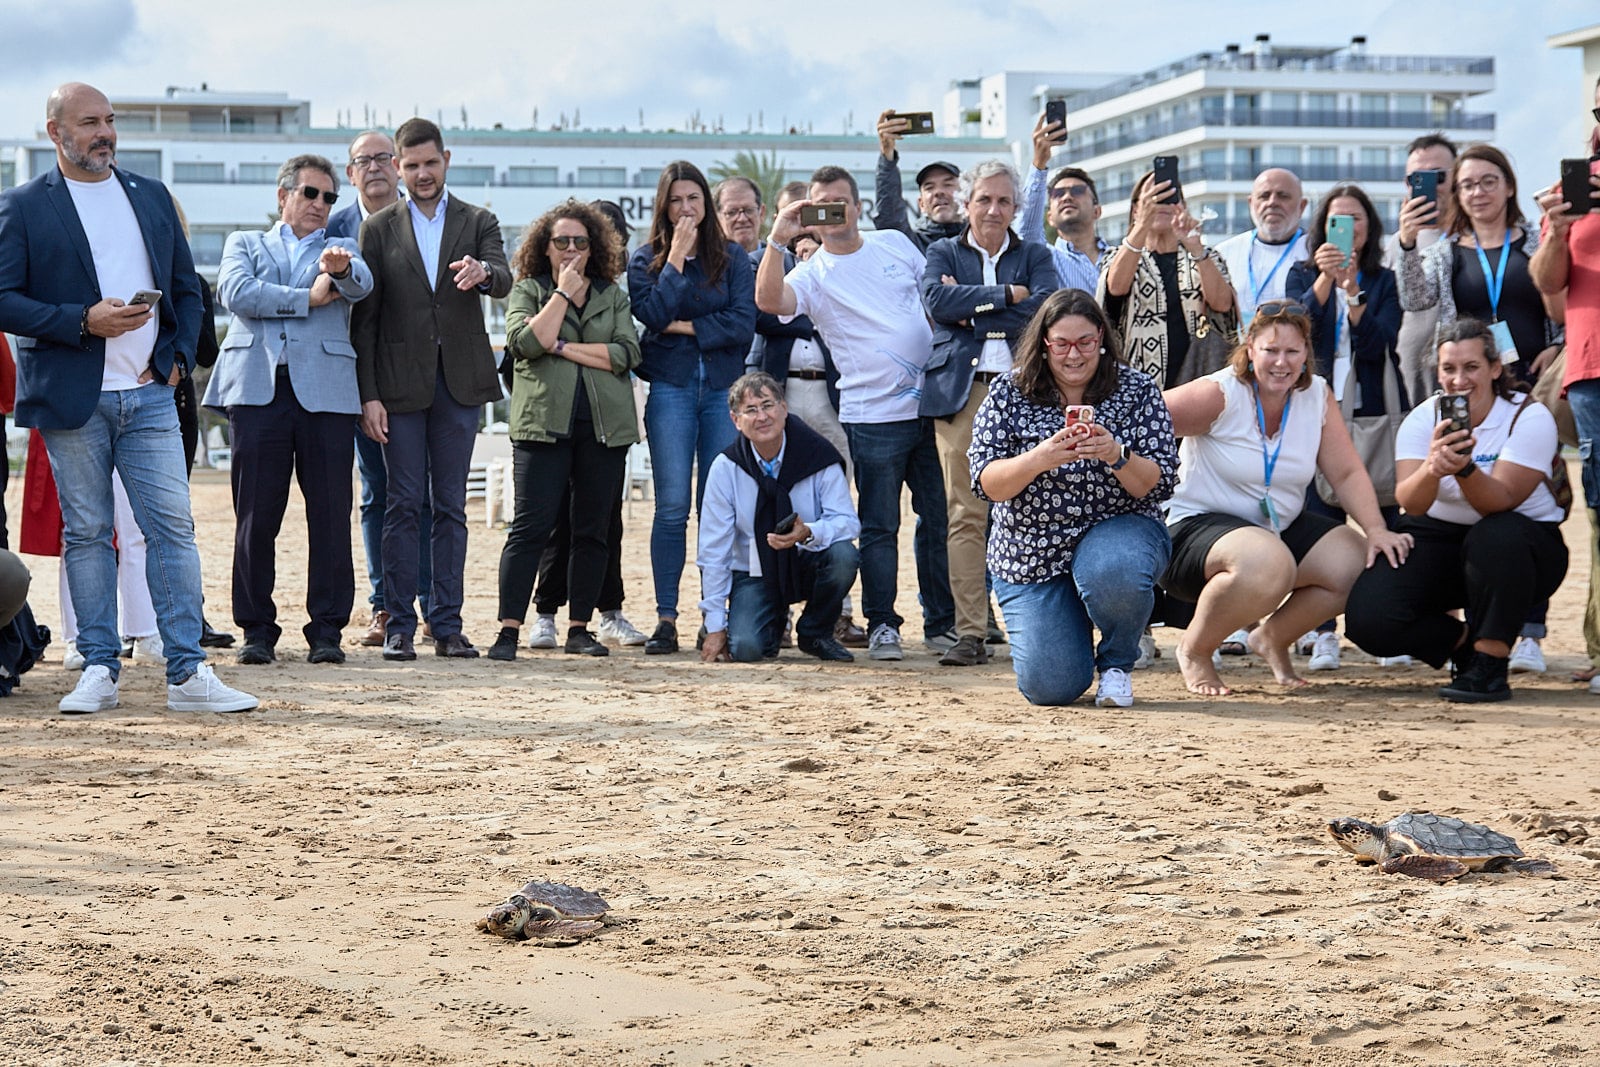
<point x="543" y="385"/>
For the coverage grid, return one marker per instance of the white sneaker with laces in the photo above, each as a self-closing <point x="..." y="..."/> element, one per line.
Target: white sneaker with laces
<point x="544" y="632"/>
<point x="204" y="691"/>
<point x="149" y="650"/>
<point x="884" y="644"/>
<point x="1527" y="657"/>
<point x="1147" y="652"/>
<point x="1306" y="644"/>
<point x="1324" y="653"/>
<point x="1116" y="689"/>
<point x="72" y="659"/>
<point x="95" y="691"/>
<point x="1395" y="661"/>
<point x="614" y="627"/>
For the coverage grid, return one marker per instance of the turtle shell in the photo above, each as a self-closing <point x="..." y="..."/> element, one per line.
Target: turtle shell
<point x="1443" y="835"/>
<point x="569" y="902"/>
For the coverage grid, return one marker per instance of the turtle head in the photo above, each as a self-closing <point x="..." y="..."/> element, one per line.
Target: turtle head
<point x="509" y="919"/>
<point x="1361" y="839"/>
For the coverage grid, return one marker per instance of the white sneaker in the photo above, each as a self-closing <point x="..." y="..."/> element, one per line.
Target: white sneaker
<point x="1148" y="652"/>
<point x="1116" y="689"/>
<point x="1324" y="653"/>
<point x="95" y="691"/>
<point x="613" y="627"/>
<point x="885" y="643"/>
<point x="1306" y="643"/>
<point x="544" y="632"/>
<point x="1395" y="661"/>
<point x="149" y="650"/>
<point x="204" y="691"/>
<point x="1527" y="657"/>
<point x="72" y="659"/>
<point x="941" y="643"/>
<point x="1594" y="686"/>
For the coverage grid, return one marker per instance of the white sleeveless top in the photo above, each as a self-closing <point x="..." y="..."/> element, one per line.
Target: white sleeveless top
<point x="1223" y="470"/>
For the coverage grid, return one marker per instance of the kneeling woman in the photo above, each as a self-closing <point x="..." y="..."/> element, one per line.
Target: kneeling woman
<point x="1255" y="434"/>
<point x="1076" y="539"/>
<point x="1487" y="527"/>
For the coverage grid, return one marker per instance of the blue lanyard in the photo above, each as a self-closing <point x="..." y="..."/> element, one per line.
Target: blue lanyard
<point x="1269" y="463"/>
<point x="1250" y="269"/>
<point x="1494" y="282"/>
<point x="1338" y="322"/>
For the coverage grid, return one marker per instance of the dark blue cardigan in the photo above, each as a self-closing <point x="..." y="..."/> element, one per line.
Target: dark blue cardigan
<point x="724" y="317"/>
<point x="1372" y="340"/>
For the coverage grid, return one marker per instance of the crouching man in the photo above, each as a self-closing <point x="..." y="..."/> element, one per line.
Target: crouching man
<point x="778" y="470"/>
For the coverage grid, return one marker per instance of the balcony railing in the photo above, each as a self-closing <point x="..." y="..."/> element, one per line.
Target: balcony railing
<point x="1256" y="118"/>
<point x="1239" y="172"/>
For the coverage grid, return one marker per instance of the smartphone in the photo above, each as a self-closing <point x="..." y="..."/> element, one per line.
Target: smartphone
<point x="1056" y="111"/>
<point x="1166" y="170"/>
<point x="147" y="296"/>
<point x="830" y="214"/>
<point x="1575" y="188"/>
<point x="786" y="524"/>
<point x="1454" y="409"/>
<point x="1342" y="234"/>
<point x="920" y="122"/>
<point x="1425" y="183"/>
<point x="1079" y="418"/>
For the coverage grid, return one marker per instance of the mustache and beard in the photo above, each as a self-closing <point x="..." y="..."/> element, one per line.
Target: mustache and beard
<point x="86" y="159"/>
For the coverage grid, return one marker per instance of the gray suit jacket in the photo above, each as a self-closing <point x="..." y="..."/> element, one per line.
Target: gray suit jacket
<point x="272" y="317"/>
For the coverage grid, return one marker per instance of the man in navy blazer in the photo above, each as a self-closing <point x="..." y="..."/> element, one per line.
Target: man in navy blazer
<point x="980" y="289"/>
<point x="286" y="379"/>
<point x="95" y="373"/>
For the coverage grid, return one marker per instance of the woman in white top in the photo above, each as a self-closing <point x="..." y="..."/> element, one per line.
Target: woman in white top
<point x="1486" y="525"/>
<point x="1254" y="436"/>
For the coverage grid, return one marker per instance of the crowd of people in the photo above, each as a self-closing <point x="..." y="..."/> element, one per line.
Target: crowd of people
<point x="1243" y="441"/>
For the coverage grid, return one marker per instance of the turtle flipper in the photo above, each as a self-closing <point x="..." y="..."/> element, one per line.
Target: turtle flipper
<point x="561" y="929"/>
<point x="1433" y="868"/>
<point x="1533" y="868"/>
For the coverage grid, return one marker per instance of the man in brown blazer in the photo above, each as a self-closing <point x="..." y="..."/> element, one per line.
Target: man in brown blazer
<point x="425" y="366"/>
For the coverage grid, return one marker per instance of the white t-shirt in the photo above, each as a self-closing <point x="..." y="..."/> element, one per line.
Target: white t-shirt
<point x="1533" y="445"/>
<point x="122" y="266"/>
<point x="1243" y="253"/>
<point x="1223" y="470"/>
<point x="868" y="308"/>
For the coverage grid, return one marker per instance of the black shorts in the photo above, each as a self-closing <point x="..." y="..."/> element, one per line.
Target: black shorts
<point x="1193" y="537"/>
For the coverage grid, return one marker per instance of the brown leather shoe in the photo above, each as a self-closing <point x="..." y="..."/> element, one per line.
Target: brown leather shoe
<point x="968" y="652"/>
<point x="455" y="646"/>
<point x="375" y="630"/>
<point x="848" y="634"/>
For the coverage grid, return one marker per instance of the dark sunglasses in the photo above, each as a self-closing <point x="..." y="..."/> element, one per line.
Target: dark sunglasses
<point x="1068" y="190"/>
<point x="580" y="242"/>
<point x="1595" y="111"/>
<point x="311" y="192"/>
<point x="1281" y="307"/>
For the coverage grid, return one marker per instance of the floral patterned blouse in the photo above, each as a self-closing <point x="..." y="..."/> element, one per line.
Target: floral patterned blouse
<point x="1033" y="535"/>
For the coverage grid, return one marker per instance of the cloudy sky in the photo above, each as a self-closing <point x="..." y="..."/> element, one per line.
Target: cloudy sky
<point x="825" y="62"/>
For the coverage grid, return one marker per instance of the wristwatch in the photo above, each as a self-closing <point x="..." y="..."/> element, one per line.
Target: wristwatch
<point x="1122" y="459"/>
<point x="561" y="345"/>
<point x="1360" y="299"/>
<point x="1468" y="471"/>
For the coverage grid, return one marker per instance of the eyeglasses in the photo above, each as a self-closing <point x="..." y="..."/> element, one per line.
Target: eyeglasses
<point x="1058" y="191"/>
<point x="311" y="192"/>
<point x="740" y="212"/>
<point x="1086" y="345"/>
<point x="766" y="407"/>
<point x="579" y="242"/>
<point x="1273" y="308"/>
<point x="1488" y="183"/>
<point x="382" y="159"/>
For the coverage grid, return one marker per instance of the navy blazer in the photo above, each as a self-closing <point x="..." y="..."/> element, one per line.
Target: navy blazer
<point x="775" y="338"/>
<point x="1372" y="341"/>
<point x="724" y="317"/>
<point x="346" y="222"/>
<point x="47" y="278"/>
<point x="947" y="382"/>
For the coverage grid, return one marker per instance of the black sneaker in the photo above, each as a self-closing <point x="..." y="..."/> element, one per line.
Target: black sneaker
<point x="825" y="648"/>
<point x="1481" y="681"/>
<point x="255" y="653"/>
<point x="664" y="641"/>
<point x="584" y="643"/>
<point x="325" y="650"/>
<point x="505" y="645"/>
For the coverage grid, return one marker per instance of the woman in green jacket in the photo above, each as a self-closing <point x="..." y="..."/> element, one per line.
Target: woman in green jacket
<point x="569" y="331"/>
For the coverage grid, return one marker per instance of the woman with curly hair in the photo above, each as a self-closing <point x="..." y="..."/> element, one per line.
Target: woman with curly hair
<point x="569" y="331"/>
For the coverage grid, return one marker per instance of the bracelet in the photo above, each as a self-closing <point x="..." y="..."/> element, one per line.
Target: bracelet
<point x="83" y="327"/>
<point x="1468" y="471"/>
<point x="1130" y="246"/>
<point x="563" y="294"/>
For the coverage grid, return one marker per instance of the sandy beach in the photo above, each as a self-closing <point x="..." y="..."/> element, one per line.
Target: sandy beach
<point x="878" y="863"/>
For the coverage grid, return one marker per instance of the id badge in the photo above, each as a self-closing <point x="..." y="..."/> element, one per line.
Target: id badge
<point x="1269" y="511"/>
<point x="1501" y="332"/>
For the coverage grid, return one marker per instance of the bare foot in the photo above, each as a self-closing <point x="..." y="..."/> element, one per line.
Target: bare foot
<point x="1200" y="674"/>
<point x="1585" y="674"/>
<point x="1278" y="659"/>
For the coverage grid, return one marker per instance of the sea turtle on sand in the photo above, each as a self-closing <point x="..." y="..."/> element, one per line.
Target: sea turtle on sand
<point x="1436" y="847"/>
<point x="547" y="910"/>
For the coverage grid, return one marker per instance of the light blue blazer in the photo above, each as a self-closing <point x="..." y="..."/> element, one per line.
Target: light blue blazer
<point x="273" y="317"/>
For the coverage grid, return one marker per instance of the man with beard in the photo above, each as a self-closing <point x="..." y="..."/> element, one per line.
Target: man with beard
<point x="1259" y="259"/>
<point x="1073" y="210"/>
<point x="939" y="214"/>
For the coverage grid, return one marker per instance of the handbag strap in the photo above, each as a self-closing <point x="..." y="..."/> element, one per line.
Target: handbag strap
<point x="1391" y="390"/>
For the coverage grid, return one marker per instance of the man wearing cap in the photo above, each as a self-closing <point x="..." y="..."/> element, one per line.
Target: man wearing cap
<point x="939" y="215"/>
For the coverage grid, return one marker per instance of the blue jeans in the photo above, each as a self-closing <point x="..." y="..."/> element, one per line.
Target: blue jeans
<point x="135" y="431"/>
<point x="1111" y="585"/>
<point x="755" y="618"/>
<point x="374" y="498"/>
<point x="683" y="423"/>
<point x="887" y="456"/>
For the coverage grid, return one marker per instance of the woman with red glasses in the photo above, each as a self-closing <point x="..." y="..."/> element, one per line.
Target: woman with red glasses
<point x="1075" y="450"/>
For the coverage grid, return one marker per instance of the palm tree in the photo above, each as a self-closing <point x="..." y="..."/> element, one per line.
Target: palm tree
<point x="765" y="170"/>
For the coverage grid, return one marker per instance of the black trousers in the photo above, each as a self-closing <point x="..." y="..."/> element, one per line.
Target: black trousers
<point x="271" y="443"/>
<point x="552" y="588"/>
<point x="1497" y="569"/>
<point x="581" y="474"/>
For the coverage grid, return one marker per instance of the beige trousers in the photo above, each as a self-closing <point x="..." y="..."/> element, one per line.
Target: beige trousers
<point x="969" y="519"/>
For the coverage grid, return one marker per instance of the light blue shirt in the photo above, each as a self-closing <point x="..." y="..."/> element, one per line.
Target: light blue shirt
<point x="1074" y="268"/>
<point x="301" y="249"/>
<point x="429" y="233"/>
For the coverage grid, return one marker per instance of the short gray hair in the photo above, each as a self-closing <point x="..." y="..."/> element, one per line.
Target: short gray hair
<point x="290" y="171"/>
<point x="989" y="168"/>
<point x="753" y="383"/>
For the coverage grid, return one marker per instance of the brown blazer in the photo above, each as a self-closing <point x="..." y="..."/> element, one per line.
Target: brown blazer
<point x="403" y="329"/>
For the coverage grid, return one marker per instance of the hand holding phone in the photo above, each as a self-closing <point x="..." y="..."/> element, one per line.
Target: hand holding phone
<point x="1575" y="187"/>
<point x="1342" y="235"/>
<point x="1166" y="170"/>
<point x="918" y="123"/>
<point x="147" y="296"/>
<point x="1456" y="409"/>
<point x="786" y="524"/>
<point x="828" y="214"/>
<point x="1079" y="417"/>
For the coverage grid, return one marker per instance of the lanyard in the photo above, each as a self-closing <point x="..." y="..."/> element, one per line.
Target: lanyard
<point x="1494" y="282"/>
<point x="1250" y="268"/>
<point x="1341" y="318"/>
<point x="1270" y="462"/>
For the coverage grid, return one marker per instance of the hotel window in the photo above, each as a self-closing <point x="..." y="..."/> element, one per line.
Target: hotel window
<point x="1374" y="157"/>
<point x="464" y="176"/>
<point x="259" y="173"/>
<point x="604" y="177"/>
<point x="1285" y="155"/>
<point x="140" y="162"/>
<point x="544" y="176"/>
<point x="206" y="245"/>
<point x="198" y="172"/>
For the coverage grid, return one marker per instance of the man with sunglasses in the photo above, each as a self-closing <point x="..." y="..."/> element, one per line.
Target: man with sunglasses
<point x="1073" y="209"/>
<point x="286" y="379"/>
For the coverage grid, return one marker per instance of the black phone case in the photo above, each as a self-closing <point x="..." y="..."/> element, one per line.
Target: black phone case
<point x="1575" y="189"/>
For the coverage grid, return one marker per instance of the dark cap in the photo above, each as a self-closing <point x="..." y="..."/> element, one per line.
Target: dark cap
<point x="938" y="164"/>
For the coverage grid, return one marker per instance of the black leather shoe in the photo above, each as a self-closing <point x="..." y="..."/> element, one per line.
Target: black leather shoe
<point x="664" y="641"/>
<point x="584" y="643"/>
<point x="398" y="647"/>
<point x="505" y="645"/>
<point x="325" y="650"/>
<point x="826" y="648"/>
<point x="456" y="646"/>
<point x="255" y="653"/>
<point x="210" y="638"/>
